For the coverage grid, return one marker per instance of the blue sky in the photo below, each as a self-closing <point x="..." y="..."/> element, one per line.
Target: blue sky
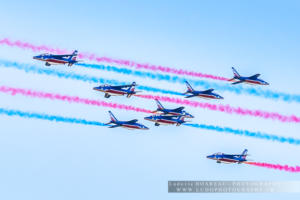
<point x="48" y="160"/>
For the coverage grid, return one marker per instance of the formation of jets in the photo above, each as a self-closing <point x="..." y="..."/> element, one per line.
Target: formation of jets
<point x="162" y="115"/>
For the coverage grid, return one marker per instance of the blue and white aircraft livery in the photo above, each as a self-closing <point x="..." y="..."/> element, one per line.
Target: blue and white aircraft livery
<point x="171" y="112"/>
<point x="206" y="94"/>
<point x="229" y="158"/>
<point x="132" y="124"/>
<point x="253" y="80"/>
<point x="118" y="90"/>
<point x="166" y="120"/>
<point x="51" y="59"/>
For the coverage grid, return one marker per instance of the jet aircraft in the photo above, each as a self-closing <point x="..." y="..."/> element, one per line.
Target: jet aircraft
<point x="206" y="94"/>
<point x="118" y="90"/>
<point x="166" y="120"/>
<point x="171" y="112"/>
<point x="253" y="80"/>
<point x="229" y="158"/>
<point x="132" y="124"/>
<point x="51" y="59"/>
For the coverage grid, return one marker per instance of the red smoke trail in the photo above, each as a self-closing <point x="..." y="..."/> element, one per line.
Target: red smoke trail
<point x="221" y="108"/>
<point x="275" y="166"/>
<point x="226" y="108"/>
<point x="93" y="57"/>
<point x="25" y="45"/>
<point x="71" y="99"/>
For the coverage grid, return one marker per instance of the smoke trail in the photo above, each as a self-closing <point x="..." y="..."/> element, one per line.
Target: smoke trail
<point x="238" y="90"/>
<point x="247" y="133"/>
<point x="26" y="45"/>
<point x="226" y="109"/>
<point x="85" y="78"/>
<point x="222" y="108"/>
<point x="48" y="117"/>
<point x="70" y="99"/>
<point x="93" y="57"/>
<point x="202" y="126"/>
<point x="275" y="166"/>
<point x="205" y="84"/>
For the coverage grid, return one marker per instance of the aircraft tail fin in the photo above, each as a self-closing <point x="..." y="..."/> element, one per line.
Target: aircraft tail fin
<point x="159" y="105"/>
<point x="236" y="74"/>
<point x="73" y="58"/>
<point x="112" y="117"/>
<point x="180" y="120"/>
<point x="131" y="89"/>
<point x="74" y="55"/>
<point x="189" y="87"/>
<point x="244" y="154"/>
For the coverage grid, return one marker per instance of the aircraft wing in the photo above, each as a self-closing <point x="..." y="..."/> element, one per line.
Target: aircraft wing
<point x="178" y="109"/>
<point x="132" y="121"/>
<point x="61" y="56"/>
<point x="208" y="91"/>
<point x="193" y="95"/>
<point x="238" y="82"/>
<point x="120" y="86"/>
<point x="254" y="76"/>
<point x="114" y="126"/>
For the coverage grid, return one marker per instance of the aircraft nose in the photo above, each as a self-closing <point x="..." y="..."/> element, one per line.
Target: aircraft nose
<point x="148" y="118"/>
<point x="190" y="116"/>
<point x="209" y="157"/>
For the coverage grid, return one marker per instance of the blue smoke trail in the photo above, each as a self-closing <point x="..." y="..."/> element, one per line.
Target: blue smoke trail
<point x="48" y="117"/>
<point x="85" y="78"/>
<point x="205" y="84"/>
<point x="95" y="123"/>
<point x="247" y="133"/>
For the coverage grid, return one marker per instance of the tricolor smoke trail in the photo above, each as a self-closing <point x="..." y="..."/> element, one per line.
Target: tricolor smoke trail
<point x="93" y="57"/>
<point x="48" y="117"/>
<point x="237" y="89"/>
<point x="204" y="84"/>
<point x="222" y="108"/>
<point x="66" y="98"/>
<point x="275" y="166"/>
<point x="247" y="133"/>
<point x="56" y="118"/>
<point x="252" y="91"/>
